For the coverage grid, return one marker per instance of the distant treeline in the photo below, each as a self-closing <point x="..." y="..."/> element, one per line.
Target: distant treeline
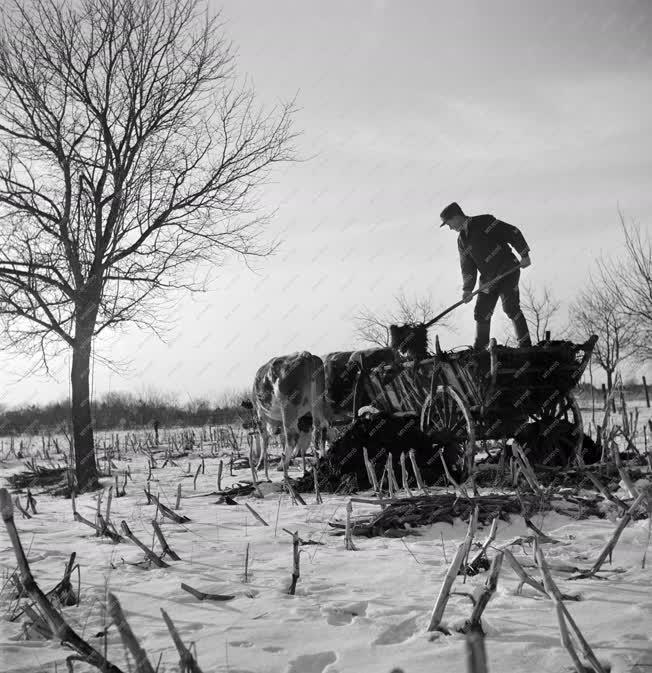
<point x="122" y="411"/>
<point x="125" y="411"/>
<point x="632" y="390"/>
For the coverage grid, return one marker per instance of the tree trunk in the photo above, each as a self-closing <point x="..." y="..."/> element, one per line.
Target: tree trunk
<point x="82" y="428"/>
<point x="609" y="380"/>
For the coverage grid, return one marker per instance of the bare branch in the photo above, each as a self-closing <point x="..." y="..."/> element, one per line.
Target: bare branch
<point x="373" y="328"/>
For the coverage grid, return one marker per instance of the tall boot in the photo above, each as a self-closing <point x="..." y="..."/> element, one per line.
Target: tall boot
<point x="482" y="329"/>
<point x="522" y="331"/>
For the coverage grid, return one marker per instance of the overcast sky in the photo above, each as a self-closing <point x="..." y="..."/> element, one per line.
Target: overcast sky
<point x="539" y="113"/>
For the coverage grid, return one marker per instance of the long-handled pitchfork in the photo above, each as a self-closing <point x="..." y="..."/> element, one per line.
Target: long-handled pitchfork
<point x="486" y="288"/>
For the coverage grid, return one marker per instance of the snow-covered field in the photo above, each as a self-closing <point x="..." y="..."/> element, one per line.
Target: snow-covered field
<point x="357" y="611"/>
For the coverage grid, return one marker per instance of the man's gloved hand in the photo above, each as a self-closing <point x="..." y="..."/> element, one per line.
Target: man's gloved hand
<point x="467" y="296"/>
<point x="525" y="261"/>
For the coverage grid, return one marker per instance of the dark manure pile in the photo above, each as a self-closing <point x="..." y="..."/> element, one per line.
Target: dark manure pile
<point x="343" y="469"/>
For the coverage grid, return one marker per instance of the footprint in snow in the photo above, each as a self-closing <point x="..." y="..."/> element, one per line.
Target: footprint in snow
<point x="273" y="649"/>
<point x="319" y="586"/>
<point x="312" y="663"/>
<point x="344" y="614"/>
<point x="241" y="643"/>
<point x="398" y="633"/>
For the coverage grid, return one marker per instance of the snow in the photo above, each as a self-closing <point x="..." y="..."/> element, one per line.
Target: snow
<point x="362" y="611"/>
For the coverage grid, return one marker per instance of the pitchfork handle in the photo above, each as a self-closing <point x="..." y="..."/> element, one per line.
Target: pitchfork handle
<point x="461" y="301"/>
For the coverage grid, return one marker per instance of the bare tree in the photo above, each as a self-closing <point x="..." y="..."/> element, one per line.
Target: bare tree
<point x="596" y="311"/>
<point x="128" y="156"/>
<point x="629" y="281"/>
<point x="541" y="312"/>
<point x="371" y="327"/>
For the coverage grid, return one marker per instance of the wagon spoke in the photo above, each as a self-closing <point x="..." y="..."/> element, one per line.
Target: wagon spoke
<point x="558" y="424"/>
<point x="439" y="403"/>
<point x="458" y="424"/>
<point x="448" y="401"/>
<point x="441" y="407"/>
<point x="448" y="420"/>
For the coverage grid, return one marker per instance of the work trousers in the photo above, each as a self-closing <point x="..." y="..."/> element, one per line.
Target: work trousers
<point x="507" y="290"/>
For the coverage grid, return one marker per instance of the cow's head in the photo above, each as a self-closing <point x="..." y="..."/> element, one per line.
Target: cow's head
<point x="410" y="341"/>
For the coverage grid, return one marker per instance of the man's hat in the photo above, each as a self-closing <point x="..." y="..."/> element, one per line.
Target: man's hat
<point x="448" y="212"/>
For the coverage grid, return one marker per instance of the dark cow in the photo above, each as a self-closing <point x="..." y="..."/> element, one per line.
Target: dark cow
<point x="339" y="380"/>
<point x="557" y="447"/>
<point x="553" y="449"/>
<point x="341" y="370"/>
<point x="288" y="398"/>
<point x="384" y="434"/>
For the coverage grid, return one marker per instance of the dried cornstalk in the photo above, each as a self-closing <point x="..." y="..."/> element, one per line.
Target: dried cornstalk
<point x="449" y="579"/>
<point x="567" y="641"/>
<point x="146" y="550"/>
<point x="483" y="595"/>
<point x="565" y="616"/>
<point x="522" y="575"/>
<point x="603" y="490"/>
<point x="315" y="477"/>
<point x="526" y="469"/>
<point x="104" y="530"/>
<point x="31" y="502"/>
<point x="246" y="565"/>
<point x="404" y="475"/>
<point x="109" y="498"/>
<point x="348" y="539"/>
<point x="529" y="580"/>
<point x="371" y="471"/>
<point x="256" y="515"/>
<point x="38" y="623"/>
<point x="64" y="590"/>
<point x="540" y="536"/>
<point x="609" y="547"/>
<point x="392" y="486"/>
<point x="295" y="563"/>
<point x="476" y="656"/>
<point x="417" y="472"/>
<point x="470" y="534"/>
<point x="25" y="514"/>
<point x="129" y="640"/>
<point x="55" y="621"/>
<point x="485" y="545"/>
<point x="98" y="514"/>
<point x="266" y="464"/>
<point x="166" y="511"/>
<point x="203" y="596"/>
<point x="187" y="662"/>
<point x="163" y="542"/>
<point x="458" y="487"/>
<point x="444" y="592"/>
<point x="624" y="474"/>
<point x="254" y="480"/>
<point x="296" y="497"/>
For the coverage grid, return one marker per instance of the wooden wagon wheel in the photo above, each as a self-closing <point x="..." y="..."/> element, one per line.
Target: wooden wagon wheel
<point x="560" y="430"/>
<point x="446" y="417"/>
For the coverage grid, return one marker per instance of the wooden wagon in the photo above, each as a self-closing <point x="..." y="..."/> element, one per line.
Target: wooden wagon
<point x="464" y="396"/>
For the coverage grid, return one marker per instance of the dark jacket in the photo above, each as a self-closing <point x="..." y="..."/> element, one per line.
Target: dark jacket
<point x="484" y="247"/>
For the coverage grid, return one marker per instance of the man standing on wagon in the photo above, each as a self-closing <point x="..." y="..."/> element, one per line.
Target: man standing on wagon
<point x="484" y="245"/>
